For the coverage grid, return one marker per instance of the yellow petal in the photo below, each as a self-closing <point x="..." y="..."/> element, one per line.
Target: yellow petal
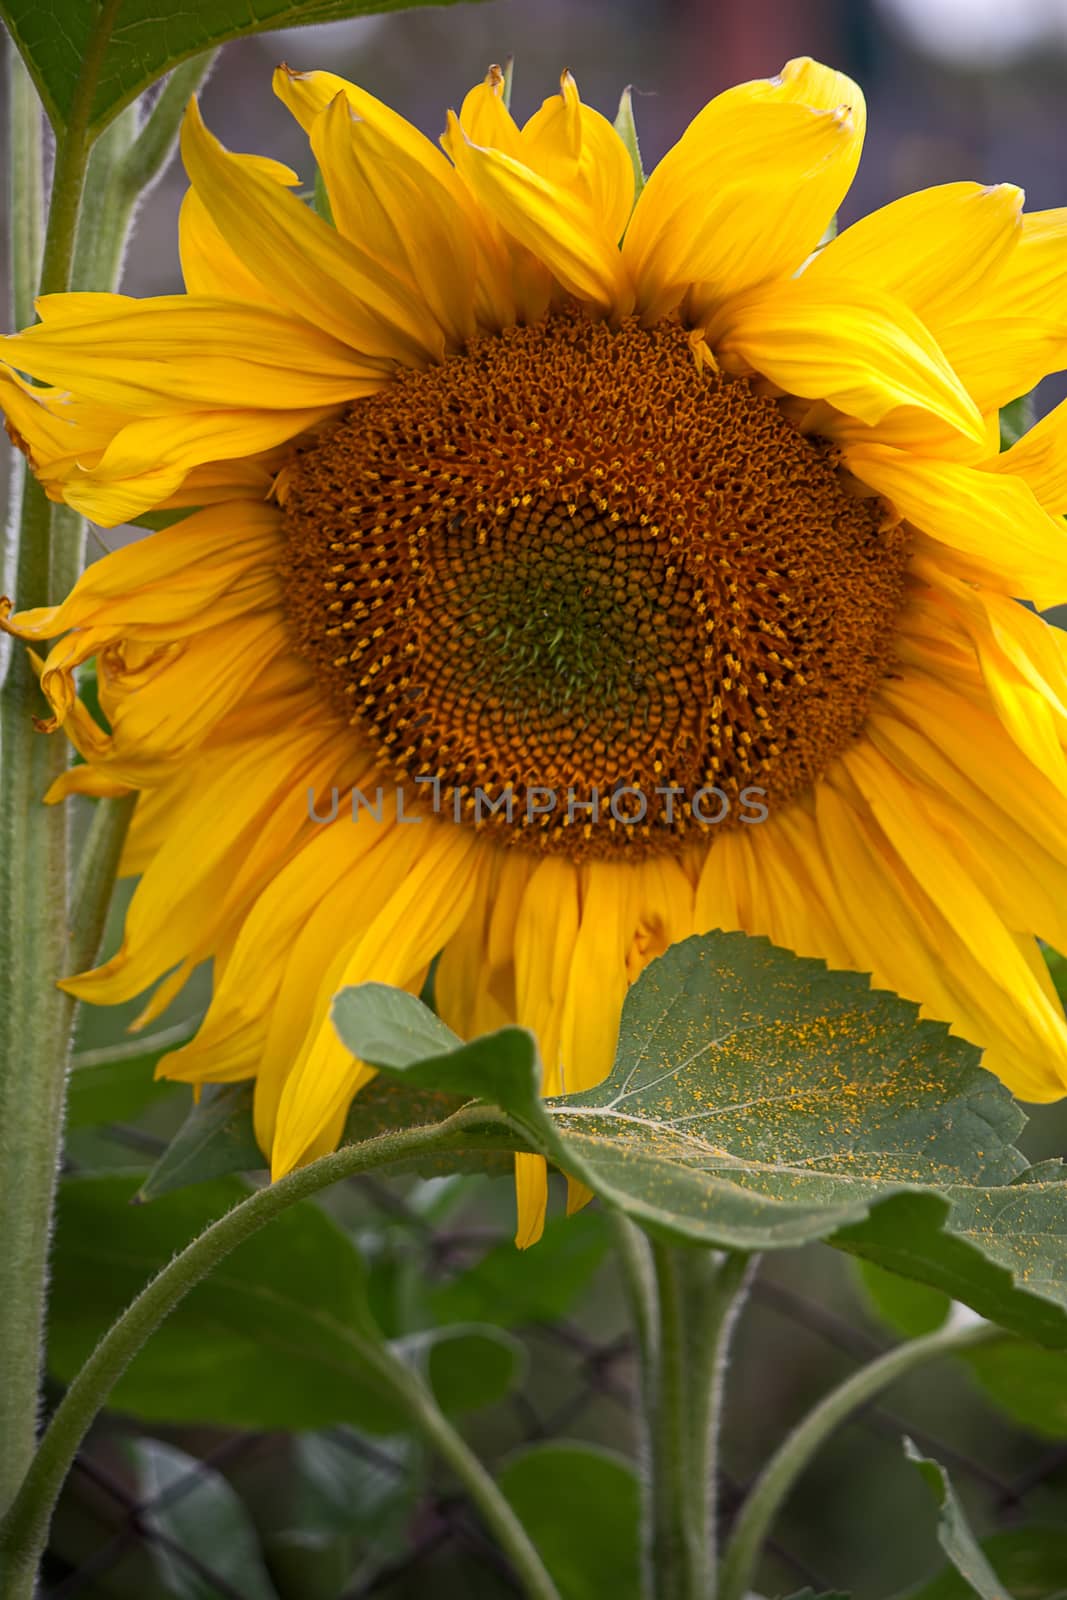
<point x="486" y="120"/>
<point x="935" y="249"/>
<point x="147" y="462"/>
<point x="866" y="354"/>
<point x="545" y="931"/>
<point x="531" y="1198"/>
<point x="244" y="1003"/>
<point x="1022" y="661"/>
<point x="372" y="859"/>
<point x="1006" y="996"/>
<point x="598" y="976"/>
<point x="573" y="146"/>
<point x="1014" y="333"/>
<point x="1040" y="457"/>
<point x="403" y="215"/>
<point x="747" y="192"/>
<point x="165" y="355"/>
<point x="557" y="226"/>
<point x="209" y="266"/>
<point x="401" y="940"/>
<point x="1020" y="874"/>
<point x="252" y="803"/>
<point x="899" y="934"/>
<point x="172" y="579"/>
<point x="308" y="94"/>
<point x="999" y="534"/>
<point x="464" y="990"/>
<point x="323" y="278"/>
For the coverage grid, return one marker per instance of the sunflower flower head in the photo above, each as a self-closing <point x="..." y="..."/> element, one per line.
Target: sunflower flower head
<point x="628" y="569"/>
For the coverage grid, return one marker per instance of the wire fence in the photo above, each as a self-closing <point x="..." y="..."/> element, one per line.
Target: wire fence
<point x="598" y="1379"/>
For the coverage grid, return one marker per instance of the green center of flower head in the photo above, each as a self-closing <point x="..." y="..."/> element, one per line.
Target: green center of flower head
<point x="570" y="562"/>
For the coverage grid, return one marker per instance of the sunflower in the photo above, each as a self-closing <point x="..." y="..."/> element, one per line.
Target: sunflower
<point x="557" y="570"/>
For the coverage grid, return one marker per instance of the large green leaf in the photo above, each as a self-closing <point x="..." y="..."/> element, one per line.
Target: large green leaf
<point x="217" y="1136"/>
<point x="510" y="1288"/>
<point x="215" y="1139"/>
<point x="114" y="1084"/>
<point x="1028" y="1382"/>
<point x="275" y="1337"/>
<point x="953" y="1531"/>
<point x="197" y="1511"/>
<point x="758" y="1101"/>
<point x="909" y="1308"/>
<point x="1032" y="1562"/>
<point x="131" y="43"/>
<point x="581" y="1507"/>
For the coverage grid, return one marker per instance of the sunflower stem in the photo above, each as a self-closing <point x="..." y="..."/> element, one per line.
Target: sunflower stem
<point x="126" y="161"/>
<point x="95" y="877"/>
<point x="42" y="555"/>
<point x="25" y="186"/>
<point x="32" y="894"/>
<point x="24" y="1530"/>
<point x="685" y="1304"/>
<point x="774" y="1483"/>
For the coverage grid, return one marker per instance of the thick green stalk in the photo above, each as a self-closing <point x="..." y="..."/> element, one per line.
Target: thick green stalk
<point x="714" y="1306"/>
<point x="125" y="163"/>
<point x="25" y="187"/>
<point x="41" y="547"/>
<point x="72" y="155"/>
<point x="678" y="1564"/>
<point x="24" y="1531"/>
<point x="94" y="880"/>
<point x="697" y="1298"/>
<point x="780" y="1474"/>
<point x="32" y="902"/>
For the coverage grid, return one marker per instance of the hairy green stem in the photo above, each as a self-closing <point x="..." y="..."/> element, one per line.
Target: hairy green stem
<point x="72" y="155"/>
<point x="774" y="1483"/>
<point x="42" y="553"/>
<point x="676" y="1558"/>
<point x="125" y="163"/>
<point x="33" y="905"/>
<point x="95" y="878"/>
<point x="104" y="219"/>
<point x="714" y="1309"/>
<point x="685" y="1303"/>
<point x="25" y="186"/>
<point x="24" y="1530"/>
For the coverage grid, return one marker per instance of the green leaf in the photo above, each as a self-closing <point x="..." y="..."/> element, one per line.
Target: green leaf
<point x="909" y="1308"/>
<point x="115" y="1083"/>
<point x="222" y="1141"/>
<point x="581" y="1507"/>
<point x="194" y="1506"/>
<point x="274" y="1338"/>
<point x="137" y="41"/>
<point x="332" y="1488"/>
<point x="626" y="128"/>
<point x="953" y="1532"/>
<point x="1026" y="1381"/>
<point x="320" y="198"/>
<point x="758" y="1101"/>
<point x="1016" y="418"/>
<point x="512" y="1287"/>
<point x="1031" y="1561"/>
<point x="215" y="1139"/>
<point x="156" y="521"/>
<point x="468" y="1367"/>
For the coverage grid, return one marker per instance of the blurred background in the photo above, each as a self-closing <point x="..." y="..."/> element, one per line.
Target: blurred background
<point x="184" y="1507"/>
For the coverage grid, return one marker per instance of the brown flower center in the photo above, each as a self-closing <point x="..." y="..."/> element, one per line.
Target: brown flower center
<point x="567" y="564"/>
